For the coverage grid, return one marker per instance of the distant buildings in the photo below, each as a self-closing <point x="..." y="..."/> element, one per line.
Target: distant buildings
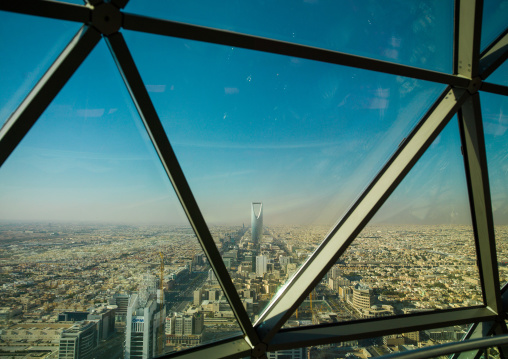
<point x="47" y="333"/>
<point x="72" y="316"/>
<point x="362" y="298"/>
<point x="363" y="302"/>
<point x="185" y="329"/>
<point x="198" y="294"/>
<point x="299" y="353"/>
<point x="79" y="341"/>
<point x="212" y="278"/>
<point x="261" y="265"/>
<point x="105" y="318"/>
<point x="257" y="222"/>
<point x="7" y="313"/>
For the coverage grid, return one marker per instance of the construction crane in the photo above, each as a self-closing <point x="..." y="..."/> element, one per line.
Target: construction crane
<point x="162" y="332"/>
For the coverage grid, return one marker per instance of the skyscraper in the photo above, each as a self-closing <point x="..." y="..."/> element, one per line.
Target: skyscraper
<point x="257" y="222"/>
<point x="143" y="322"/>
<point x="79" y="341"/>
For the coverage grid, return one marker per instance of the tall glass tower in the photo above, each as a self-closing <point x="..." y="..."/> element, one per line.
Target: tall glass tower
<point x="257" y="221"/>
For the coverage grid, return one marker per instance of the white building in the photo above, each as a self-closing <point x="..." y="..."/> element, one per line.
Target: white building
<point x="261" y="265"/>
<point x="144" y="319"/>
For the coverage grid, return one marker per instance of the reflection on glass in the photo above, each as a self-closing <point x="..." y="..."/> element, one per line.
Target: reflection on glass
<point x="295" y="138"/>
<point x="422" y="36"/>
<point x="495" y="124"/>
<point x="416" y="255"/>
<point x="494" y="20"/>
<point x="93" y="242"/>
<point x="27" y="55"/>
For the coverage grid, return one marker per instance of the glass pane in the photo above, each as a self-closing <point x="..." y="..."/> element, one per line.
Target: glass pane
<point x="296" y="139"/>
<point x="92" y="233"/>
<point x="494" y="20"/>
<point x="417" y="254"/>
<point x="417" y="34"/>
<point x="500" y="76"/>
<point x="32" y="44"/>
<point x="495" y="123"/>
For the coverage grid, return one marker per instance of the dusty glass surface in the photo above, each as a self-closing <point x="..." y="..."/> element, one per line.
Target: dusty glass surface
<point x="421" y="36"/>
<point x="91" y="233"/>
<point x="416" y="255"/>
<point x="495" y="124"/>
<point x="500" y="76"/>
<point x="494" y="20"/>
<point x="300" y="137"/>
<point x="29" y="45"/>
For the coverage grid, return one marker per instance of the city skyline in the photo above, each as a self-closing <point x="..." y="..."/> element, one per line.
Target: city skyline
<point x="404" y="270"/>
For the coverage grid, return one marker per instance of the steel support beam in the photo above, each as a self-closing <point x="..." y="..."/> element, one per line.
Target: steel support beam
<point x="484" y="329"/>
<point x="310" y="273"/>
<point x="345" y="331"/>
<point x="494" y="88"/>
<point x="475" y="162"/>
<point x="228" y="38"/>
<point x="153" y="125"/>
<point x="50" y="9"/>
<point x="494" y="56"/>
<point x="450" y="348"/>
<point x="468" y="14"/>
<point x="229" y="348"/>
<point x="24" y="117"/>
<point x="476" y="331"/>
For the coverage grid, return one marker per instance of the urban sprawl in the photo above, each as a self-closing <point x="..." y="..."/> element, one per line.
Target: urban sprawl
<point x="127" y="291"/>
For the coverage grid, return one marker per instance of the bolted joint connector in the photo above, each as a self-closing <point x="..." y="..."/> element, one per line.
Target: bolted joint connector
<point x="107" y="18"/>
<point x="259" y="351"/>
<point x="474" y="85"/>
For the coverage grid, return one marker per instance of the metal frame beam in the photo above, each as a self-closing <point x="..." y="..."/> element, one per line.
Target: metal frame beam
<point x="495" y="55"/>
<point x="229" y="348"/>
<point x="475" y="163"/>
<point x="229" y="38"/>
<point x="153" y="126"/>
<point x="50" y="9"/>
<point x="468" y="24"/>
<point x="484" y="329"/>
<point x="468" y="64"/>
<point x="344" y="331"/>
<point x="32" y="107"/>
<point x="450" y="348"/>
<point x="336" y="242"/>
<point x="476" y="331"/>
<point x="494" y="88"/>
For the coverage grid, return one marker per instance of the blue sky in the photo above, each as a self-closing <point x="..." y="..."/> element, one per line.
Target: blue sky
<point x="301" y="136"/>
